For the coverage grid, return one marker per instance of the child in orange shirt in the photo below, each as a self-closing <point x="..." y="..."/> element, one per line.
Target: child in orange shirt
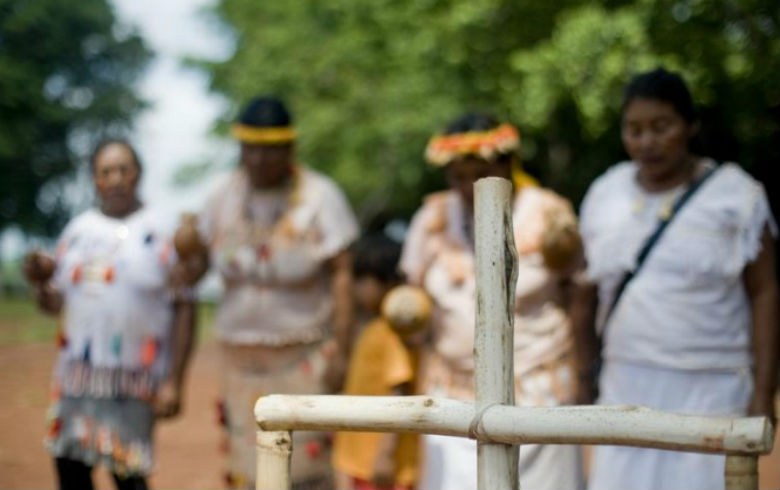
<point x="384" y="361"/>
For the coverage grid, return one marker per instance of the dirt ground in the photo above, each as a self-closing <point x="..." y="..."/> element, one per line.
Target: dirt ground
<point x="187" y="448"/>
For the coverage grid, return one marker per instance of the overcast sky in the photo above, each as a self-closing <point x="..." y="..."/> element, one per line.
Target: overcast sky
<point x="174" y="131"/>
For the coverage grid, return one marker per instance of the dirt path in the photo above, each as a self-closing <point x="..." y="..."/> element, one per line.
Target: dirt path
<point x="187" y="448"/>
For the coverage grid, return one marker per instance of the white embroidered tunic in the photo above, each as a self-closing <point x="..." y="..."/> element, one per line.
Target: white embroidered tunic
<point x="117" y="311"/>
<point x="271" y="249"/>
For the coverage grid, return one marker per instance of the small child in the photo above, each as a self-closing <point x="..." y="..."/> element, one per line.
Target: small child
<point x="384" y="362"/>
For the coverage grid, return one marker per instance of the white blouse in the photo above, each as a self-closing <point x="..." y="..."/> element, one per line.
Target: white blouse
<point x="687" y="307"/>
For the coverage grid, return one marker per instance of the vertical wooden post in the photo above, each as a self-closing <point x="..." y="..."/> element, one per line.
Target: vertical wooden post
<point x="496" y="273"/>
<point x="274" y="450"/>
<point x="741" y="472"/>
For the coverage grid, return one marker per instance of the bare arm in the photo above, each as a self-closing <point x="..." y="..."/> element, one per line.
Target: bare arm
<point x="182" y="279"/>
<point x="342" y="300"/>
<point x="761" y="284"/>
<point x="168" y="401"/>
<point x="582" y="312"/>
<point x="341" y="289"/>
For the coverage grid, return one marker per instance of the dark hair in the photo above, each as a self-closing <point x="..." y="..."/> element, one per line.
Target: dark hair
<point x="265" y="112"/>
<point x="661" y="84"/>
<point x="376" y="255"/>
<point x="471" y="121"/>
<point x="102" y="144"/>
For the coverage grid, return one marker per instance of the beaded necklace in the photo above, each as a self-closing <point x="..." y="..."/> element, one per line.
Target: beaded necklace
<point x="261" y="234"/>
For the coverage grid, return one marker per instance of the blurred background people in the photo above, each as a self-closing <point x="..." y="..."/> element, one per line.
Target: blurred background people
<point x="126" y="328"/>
<point x="384" y="362"/>
<point x="438" y="256"/>
<point x="696" y="328"/>
<point x="279" y="235"/>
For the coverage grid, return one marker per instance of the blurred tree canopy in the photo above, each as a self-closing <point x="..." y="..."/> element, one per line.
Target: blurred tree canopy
<point x="66" y="73"/>
<point x="369" y="82"/>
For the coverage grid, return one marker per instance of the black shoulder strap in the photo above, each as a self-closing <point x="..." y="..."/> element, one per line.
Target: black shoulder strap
<point x="653" y="239"/>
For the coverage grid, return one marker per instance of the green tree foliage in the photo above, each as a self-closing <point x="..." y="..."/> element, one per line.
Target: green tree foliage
<point x="727" y="51"/>
<point x="369" y="82"/>
<point x="66" y="70"/>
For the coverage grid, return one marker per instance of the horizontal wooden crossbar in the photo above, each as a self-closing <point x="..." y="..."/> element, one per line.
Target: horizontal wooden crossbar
<point x="590" y="425"/>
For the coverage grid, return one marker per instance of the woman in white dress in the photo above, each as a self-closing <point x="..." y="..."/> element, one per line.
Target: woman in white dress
<point x="695" y="330"/>
<point x="125" y="333"/>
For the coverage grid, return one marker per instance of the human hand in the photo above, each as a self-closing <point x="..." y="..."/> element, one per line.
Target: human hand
<point x="192" y="252"/>
<point x="48" y="298"/>
<point x="167" y="401"/>
<point x="187" y="239"/>
<point x="763" y="405"/>
<point x="187" y="271"/>
<point x="38" y="267"/>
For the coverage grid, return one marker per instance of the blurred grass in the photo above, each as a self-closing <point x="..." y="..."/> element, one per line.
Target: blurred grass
<point x="206" y="310"/>
<point x="22" y="323"/>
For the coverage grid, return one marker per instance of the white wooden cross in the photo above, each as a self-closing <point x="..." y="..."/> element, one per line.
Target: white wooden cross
<point x="498" y="426"/>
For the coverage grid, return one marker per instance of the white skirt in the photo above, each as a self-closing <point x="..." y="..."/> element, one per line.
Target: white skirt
<point x="689" y="392"/>
<point x="451" y="464"/>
